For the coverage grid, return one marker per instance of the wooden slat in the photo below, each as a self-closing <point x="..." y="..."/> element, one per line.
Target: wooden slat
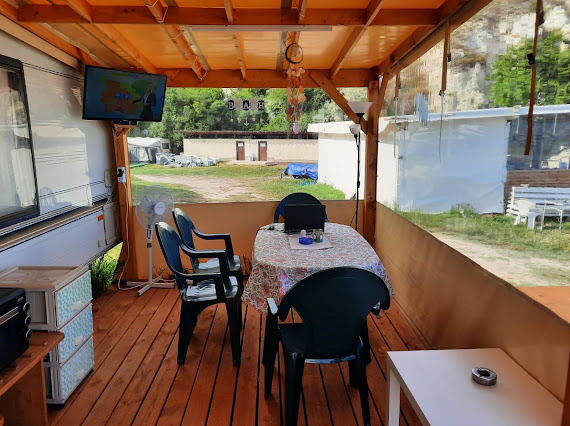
<point x="81" y="7"/>
<point x="329" y="87"/>
<point x="136" y="375"/>
<point x="175" y="406"/>
<point x="107" y="401"/>
<point x="79" y="409"/>
<point x="116" y="14"/>
<point x="245" y="405"/>
<point x="223" y="395"/>
<point x="130" y="401"/>
<point x="357" y="32"/>
<point x="175" y="34"/>
<point x="199" y="402"/>
<point x="261" y="78"/>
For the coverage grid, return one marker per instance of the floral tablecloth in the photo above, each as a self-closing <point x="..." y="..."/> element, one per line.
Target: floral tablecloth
<point x="276" y="266"/>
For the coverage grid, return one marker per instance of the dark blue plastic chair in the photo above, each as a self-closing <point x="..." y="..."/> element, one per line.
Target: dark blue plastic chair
<point x="295" y="198"/>
<point x="333" y="305"/>
<point x="187" y="229"/>
<point x="207" y="289"/>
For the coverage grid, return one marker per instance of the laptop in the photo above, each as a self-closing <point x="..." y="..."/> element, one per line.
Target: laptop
<point x="304" y="216"/>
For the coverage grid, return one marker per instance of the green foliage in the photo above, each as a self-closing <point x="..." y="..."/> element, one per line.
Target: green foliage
<point x="496" y="231"/>
<point x="102" y="271"/>
<point x="278" y="189"/>
<point x="511" y="74"/>
<point x="221" y="170"/>
<point x="206" y="110"/>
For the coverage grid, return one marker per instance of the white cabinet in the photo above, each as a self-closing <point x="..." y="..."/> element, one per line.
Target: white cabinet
<point x="60" y="300"/>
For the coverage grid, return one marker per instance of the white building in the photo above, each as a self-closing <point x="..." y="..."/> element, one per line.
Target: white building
<point x="468" y="164"/>
<point x="252" y="146"/>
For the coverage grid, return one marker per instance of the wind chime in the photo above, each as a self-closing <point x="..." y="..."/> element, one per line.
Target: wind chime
<point x="248" y="105"/>
<point x="295" y="95"/>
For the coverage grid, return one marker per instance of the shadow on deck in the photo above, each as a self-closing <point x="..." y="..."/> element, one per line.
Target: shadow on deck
<point x="136" y="379"/>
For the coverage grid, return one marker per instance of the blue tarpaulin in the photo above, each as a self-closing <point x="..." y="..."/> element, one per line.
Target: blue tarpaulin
<point x="303" y="171"/>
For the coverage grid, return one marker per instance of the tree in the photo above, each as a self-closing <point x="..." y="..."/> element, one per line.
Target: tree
<point x="511" y="74"/>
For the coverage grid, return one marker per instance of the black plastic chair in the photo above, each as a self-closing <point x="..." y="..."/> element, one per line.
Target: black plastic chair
<point x="295" y="198"/>
<point x="333" y="305"/>
<point x="186" y="229"/>
<point x="207" y="289"/>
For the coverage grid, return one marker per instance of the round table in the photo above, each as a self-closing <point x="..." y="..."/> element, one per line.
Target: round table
<point x="276" y="267"/>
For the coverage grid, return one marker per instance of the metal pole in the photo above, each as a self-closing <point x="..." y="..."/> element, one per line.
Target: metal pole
<point x="357" y="173"/>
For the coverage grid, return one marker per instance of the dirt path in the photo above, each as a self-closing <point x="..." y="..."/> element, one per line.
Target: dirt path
<point x="518" y="268"/>
<point x="213" y="189"/>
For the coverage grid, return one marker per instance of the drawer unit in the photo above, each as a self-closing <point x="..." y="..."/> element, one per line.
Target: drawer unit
<point x="77" y="332"/>
<point x="60" y="300"/>
<point x="61" y="380"/>
<point x="55" y="294"/>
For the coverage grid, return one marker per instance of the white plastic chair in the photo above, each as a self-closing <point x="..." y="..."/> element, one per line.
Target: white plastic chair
<point x="527" y="212"/>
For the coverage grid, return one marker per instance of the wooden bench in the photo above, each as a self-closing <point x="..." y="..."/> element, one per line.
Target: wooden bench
<point x="551" y="202"/>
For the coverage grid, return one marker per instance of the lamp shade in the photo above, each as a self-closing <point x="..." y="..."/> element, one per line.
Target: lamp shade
<point x="355" y="129"/>
<point x="360" y="108"/>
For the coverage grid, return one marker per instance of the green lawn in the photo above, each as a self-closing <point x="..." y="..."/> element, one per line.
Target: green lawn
<point x="180" y="193"/>
<point x="267" y="182"/>
<point x="498" y="231"/>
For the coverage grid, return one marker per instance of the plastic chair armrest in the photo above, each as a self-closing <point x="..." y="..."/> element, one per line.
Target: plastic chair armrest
<point x="226" y="237"/>
<point x="201" y="254"/>
<point x="271" y="306"/>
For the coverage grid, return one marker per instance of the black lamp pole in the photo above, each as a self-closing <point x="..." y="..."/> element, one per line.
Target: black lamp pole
<point x="357" y="139"/>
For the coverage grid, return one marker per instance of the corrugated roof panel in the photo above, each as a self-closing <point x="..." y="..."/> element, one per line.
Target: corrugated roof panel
<point x="321" y="49"/>
<point x="218" y="48"/>
<point x="375" y="45"/>
<point x="261" y="49"/>
<point x="153" y="42"/>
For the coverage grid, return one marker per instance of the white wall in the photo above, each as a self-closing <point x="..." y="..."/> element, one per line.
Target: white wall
<point x="71" y="156"/>
<point x="282" y="150"/>
<point x="471" y="170"/>
<point x="337" y="156"/>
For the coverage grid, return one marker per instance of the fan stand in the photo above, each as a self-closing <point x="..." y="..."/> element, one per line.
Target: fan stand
<point x="157" y="282"/>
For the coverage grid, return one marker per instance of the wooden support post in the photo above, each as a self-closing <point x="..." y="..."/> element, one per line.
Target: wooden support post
<point x="371" y="172"/>
<point x="125" y="202"/>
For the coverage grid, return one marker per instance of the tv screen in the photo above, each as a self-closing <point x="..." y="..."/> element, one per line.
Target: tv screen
<point x="110" y="94"/>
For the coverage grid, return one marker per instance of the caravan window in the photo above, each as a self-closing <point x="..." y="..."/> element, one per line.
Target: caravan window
<point x="18" y="197"/>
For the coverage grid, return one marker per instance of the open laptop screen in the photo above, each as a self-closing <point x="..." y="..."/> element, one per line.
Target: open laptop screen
<point x="304" y="216"/>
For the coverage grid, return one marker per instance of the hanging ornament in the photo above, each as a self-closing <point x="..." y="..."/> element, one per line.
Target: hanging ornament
<point x="231" y="117"/>
<point x="295" y="95"/>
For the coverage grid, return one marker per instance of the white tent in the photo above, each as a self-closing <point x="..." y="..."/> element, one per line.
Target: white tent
<point x="145" y="149"/>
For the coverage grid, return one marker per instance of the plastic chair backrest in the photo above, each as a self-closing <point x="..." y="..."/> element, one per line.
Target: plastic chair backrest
<point x="525" y="206"/>
<point x="185" y="227"/>
<point x="295" y="198"/>
<point x="333" y="305"/>
<point x="170" y="244"/>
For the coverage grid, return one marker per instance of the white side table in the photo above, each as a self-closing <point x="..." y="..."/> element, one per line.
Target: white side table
<point x="438" y="385"/>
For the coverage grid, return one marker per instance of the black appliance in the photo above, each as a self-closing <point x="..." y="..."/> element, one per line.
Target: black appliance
<point x="14" y="321"/>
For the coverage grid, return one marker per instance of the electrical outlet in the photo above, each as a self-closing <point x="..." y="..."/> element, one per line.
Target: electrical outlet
<point x="108" y="182"/>
<point x="121" y="175"/>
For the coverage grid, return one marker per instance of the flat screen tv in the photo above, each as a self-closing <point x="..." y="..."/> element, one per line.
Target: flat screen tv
<point x="116" y="95"/>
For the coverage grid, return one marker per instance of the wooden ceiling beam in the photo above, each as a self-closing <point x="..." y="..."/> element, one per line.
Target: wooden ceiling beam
<point x="218" y="16"/>
<point x="457" y="12"/>
<point x="330" y="88"/>
<point x="81" y="7"/>
<point x="238" y="42"/>
<point x="138" y="59"/>
<point x="356" y="34"/>
<point x="175" y="34"/>
<point x="11" y="12"/>
<point x="260" y="79"/>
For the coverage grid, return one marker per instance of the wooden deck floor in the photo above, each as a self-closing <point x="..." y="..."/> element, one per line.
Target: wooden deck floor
<point x="136" y="379"/>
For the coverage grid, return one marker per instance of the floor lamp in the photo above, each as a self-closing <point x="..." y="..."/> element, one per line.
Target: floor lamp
<point x="359" y="108"/>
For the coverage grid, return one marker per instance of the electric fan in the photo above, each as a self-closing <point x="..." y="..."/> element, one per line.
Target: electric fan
<point x="154" y="205"/>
